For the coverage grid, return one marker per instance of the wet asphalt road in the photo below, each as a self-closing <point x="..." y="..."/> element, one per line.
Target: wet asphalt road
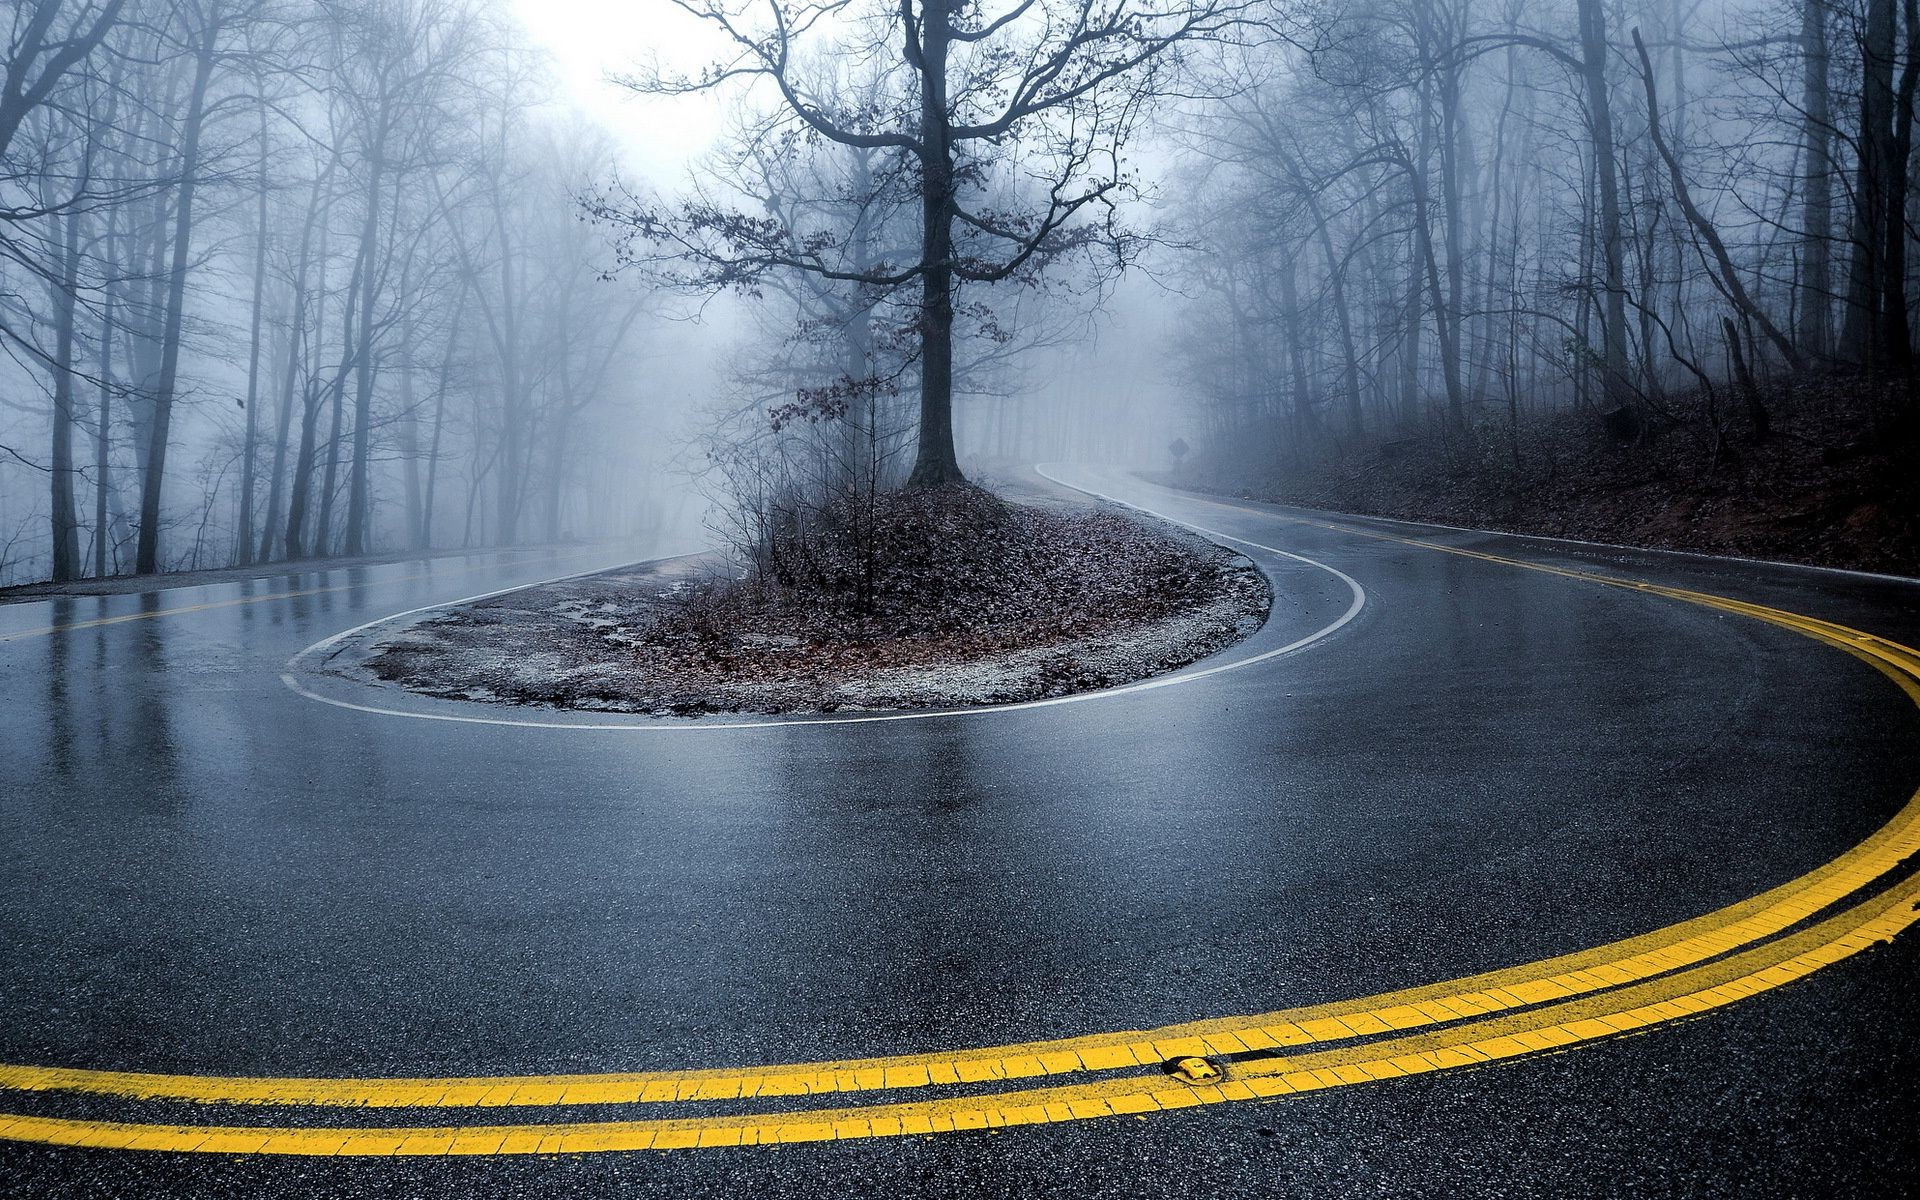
<point x="205" y="872"/>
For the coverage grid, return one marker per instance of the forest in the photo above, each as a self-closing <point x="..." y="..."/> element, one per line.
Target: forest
<point x="1592" y="268"/>
<point x="291" y="279"/>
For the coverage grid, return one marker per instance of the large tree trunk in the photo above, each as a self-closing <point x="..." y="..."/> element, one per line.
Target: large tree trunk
<point x="103" y="431"/>
<point x="1859" y="340"/>
<point x="1444" y="323"/>
<point x="1301" y="410"/>
<point x="66" y="516"/>
<point x="270" y="530"/>
<point x="935" y="463"/>
<point x="1454" y="146"/>
<point x="323" y="540"/>
<point x="423" y="535"/>
<point x="249" y="451"/>
<point x="312" y="403"/>
<point x="358" y="488"/>
<point x="409" y="431"/>
<point x="1414" y="316"/>
<point x="1815" y="326"/>
<point x="554" y="476"/>
<point x="511" y="486"/>
<point x="1895" y="336"/>
<point x="1593" y="56"/>
<point x="1490" y="320"/>
<point x="1349" y="349"/>
<point x="147" y="558"/>
<point x="146" y="325"/>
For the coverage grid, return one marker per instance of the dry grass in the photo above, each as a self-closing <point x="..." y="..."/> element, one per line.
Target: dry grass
<point x="979" y="601"/>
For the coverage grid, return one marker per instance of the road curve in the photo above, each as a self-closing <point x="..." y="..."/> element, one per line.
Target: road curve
<point x="238" y="919"/>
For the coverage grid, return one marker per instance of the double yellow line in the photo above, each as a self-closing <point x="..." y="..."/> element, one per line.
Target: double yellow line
<point x="1671" y="974"/>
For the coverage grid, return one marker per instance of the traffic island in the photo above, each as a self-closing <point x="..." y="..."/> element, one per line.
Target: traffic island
<point x="930" y="599"/>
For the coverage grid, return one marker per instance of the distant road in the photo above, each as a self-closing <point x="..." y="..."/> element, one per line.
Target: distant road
<point x="1365" y="905"/>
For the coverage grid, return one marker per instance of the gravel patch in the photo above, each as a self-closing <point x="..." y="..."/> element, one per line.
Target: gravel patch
<point x="1043" y="601"/>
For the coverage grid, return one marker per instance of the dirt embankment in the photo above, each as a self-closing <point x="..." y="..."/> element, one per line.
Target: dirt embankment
<point x="1835" y="483"/>
<point x="961" y="599"/>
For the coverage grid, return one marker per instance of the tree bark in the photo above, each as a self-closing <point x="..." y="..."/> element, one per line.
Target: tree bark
<point x="1301" y="410"/>
<point x="935" y="462"/>
<point x="423" y="536"/>
<point x="1444" y="323"/>
<point x="103" y="431"/>
<point x="66" y="516"/>
<point x="270" y="530"/>
<point x="1454" y="146"/>
<point x="1349" y="350"/>
<point x="323" y="540"/>
<point x="1895" y="336"/>
<point x="1815" y="326"/>
<point x="1414" y="317"/>
<point x="314" y="400"/>
<point x="147" y="558"/>
<point x="244" y="549"/>
<point x="1743" y="378"/>
<point x="359" y="498"/>
<point x="1859" y="337"/>
<point x="1593" y="58"/>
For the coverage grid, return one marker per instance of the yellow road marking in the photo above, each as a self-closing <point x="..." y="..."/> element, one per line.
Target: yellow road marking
<point x="1553" y="1028"/>
<point x="1659" y="971"/>
<point x="1581" y="973"/>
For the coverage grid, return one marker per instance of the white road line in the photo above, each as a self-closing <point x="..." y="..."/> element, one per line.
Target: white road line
<point x="1697" y="555"/>
<point x="646" y="724"/>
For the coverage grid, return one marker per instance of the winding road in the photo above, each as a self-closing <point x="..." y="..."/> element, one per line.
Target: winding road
<point x="1489" y="866"/>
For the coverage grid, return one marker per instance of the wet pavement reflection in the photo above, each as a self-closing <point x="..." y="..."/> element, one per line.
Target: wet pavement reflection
<point x="207" y="871"/>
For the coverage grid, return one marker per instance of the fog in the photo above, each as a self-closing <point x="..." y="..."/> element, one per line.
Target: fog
<point x="290" y="279"/>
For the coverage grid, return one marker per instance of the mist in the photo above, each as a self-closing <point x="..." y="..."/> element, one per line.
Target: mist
<point x="959" y="598"/>
<point x="289" y="281"/>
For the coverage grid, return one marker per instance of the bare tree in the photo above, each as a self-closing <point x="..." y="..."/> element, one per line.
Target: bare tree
<point x="1061" y="84"/>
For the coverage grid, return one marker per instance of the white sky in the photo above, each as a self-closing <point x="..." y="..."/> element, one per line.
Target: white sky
<point x="591" y="40"/>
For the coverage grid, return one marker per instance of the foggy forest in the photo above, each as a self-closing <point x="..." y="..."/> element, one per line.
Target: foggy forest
<point x="291" y="281"/>
<point x="959" y="598"/>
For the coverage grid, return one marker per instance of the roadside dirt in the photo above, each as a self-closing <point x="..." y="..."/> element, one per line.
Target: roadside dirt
<point x="1834" y="484"/>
